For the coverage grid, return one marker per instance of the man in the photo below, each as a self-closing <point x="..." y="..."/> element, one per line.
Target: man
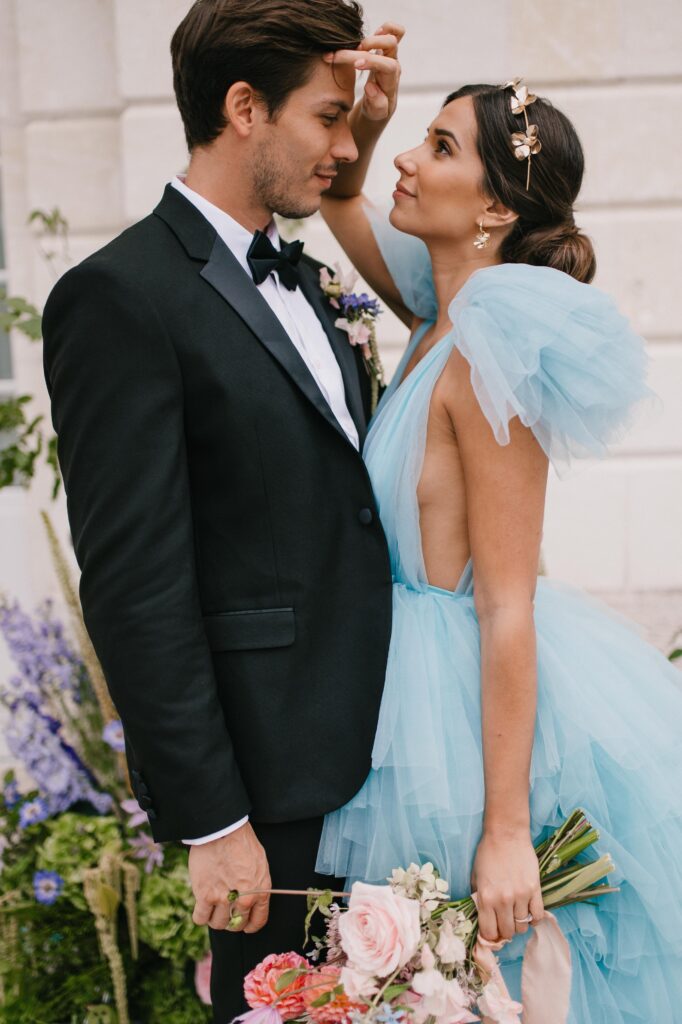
<point x="235" y="577"/>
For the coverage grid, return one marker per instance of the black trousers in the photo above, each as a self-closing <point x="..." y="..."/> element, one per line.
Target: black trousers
<point x="292" y="850"/>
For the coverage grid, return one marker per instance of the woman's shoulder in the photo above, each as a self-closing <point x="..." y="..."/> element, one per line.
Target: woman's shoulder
<point x="553" y="351"/>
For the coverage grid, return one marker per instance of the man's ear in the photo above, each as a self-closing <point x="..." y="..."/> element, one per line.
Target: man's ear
<point x="497" y="215"/>
<point x="241" y="108"/>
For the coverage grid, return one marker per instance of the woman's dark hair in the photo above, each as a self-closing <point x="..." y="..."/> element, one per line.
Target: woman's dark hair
<point x="545" y="233"/>
<point x="271" y="44"/>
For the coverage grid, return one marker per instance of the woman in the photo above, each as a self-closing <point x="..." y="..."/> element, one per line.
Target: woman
<point x="509" y="701"/>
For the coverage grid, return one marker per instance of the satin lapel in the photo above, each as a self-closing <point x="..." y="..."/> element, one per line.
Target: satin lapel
<point x="341" y="346"/>
<point x="225" y="274"/>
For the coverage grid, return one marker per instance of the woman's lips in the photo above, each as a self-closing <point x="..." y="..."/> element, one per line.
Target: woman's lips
<point x="400" y="190"/>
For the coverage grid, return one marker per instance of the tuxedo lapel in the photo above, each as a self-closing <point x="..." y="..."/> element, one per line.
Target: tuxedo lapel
<point x="223" y="272"/>
<point x="341" y="346"/>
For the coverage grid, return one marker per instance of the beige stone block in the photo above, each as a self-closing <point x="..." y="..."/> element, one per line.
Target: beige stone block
<point x="153" y="151"/>
<point x="585" y="536"/>
<point x="638" y="264"/>
<point x="143" y="35"/>
<point x="658" y="428"/>
<point x="74" y="165"/>
<point x="46" y="272"/>
<point x="545" y="40"/>
<point x="654" y="534"/>
<point x="67" y="55"/>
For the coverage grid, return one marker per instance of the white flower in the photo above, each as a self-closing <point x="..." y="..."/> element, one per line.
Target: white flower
<point x="441" y="998"/>
<point x="357" y="986"/>
<point x="450" y="949"/>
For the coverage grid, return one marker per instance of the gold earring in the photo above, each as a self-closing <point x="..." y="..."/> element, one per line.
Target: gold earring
<point x="482" y="238"/>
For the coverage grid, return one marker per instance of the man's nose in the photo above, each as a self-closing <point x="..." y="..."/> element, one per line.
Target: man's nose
<point x="344" y="148"/>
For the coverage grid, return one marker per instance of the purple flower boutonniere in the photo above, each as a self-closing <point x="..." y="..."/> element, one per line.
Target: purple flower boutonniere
<point x="358" y="320"/>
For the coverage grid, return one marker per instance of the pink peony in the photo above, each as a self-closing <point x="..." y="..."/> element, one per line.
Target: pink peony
<point x="202" y="979"/>
<point x="339" y="1009"/>
<point x="380" y="931"/>
<point x="260" y="984"/>
<point x="499" y="1006"/>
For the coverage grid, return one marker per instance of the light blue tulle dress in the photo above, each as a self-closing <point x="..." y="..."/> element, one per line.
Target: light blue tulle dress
<point x="608" y="737"/>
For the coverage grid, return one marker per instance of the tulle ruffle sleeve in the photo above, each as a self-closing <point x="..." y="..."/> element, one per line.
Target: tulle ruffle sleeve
<point x="554" y="352"/>
<point x="409" y="264"/>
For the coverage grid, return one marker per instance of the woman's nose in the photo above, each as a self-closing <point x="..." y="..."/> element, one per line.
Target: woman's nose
<point x="405" y="163"/>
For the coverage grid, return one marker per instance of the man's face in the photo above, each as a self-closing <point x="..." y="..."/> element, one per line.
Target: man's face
<point x="296" y="156"/>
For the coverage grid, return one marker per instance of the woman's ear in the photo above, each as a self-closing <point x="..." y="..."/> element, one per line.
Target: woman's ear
<point x="240" y="108"/>
<point x="497" y="215"/>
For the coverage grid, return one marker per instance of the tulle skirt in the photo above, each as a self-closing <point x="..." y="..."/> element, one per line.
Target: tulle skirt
<point x="608" y="739"/>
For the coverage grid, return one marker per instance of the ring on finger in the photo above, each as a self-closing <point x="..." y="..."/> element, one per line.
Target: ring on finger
<point x="524" y="920"/>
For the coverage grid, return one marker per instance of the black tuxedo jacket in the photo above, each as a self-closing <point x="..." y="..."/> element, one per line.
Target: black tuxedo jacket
<point x="235" y="576"/>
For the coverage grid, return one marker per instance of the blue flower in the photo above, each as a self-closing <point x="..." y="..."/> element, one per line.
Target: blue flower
<point x="32" y="812"/>
<point x="113" y="735"/>
<point x="11" y="794"/>
<point x="388" y="1015"/>
<point x="47" y="886"/>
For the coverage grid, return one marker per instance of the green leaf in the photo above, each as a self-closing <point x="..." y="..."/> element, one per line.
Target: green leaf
<point x="323" y="999"/>
<point x="674" y="655"/>
<point x="288" y="978"/>
<point x="394" y="990"/>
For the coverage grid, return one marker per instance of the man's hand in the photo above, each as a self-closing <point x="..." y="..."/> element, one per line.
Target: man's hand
<point x="381" y="88"/>
<point x="237" y="861"/>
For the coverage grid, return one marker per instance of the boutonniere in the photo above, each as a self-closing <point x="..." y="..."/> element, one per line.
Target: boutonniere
<point x="358" y="320"/>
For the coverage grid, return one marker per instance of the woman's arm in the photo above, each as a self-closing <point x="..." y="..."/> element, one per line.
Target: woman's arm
<point x="343" y="206"/>
<point x="505" y="489"/>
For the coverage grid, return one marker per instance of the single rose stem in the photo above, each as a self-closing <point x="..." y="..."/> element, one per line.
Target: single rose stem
<point x="290" y="892"/>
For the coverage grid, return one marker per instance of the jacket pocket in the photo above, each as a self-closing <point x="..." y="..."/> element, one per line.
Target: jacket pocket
<point x="250" y="630"/>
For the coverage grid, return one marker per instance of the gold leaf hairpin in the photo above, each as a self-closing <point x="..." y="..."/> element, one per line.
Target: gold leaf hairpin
<point x="526" y="144"/>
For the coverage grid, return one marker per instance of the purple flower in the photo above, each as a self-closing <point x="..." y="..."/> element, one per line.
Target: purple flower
<point x="11" y="794"/>
<point x="138" y="816"/>
<point x="113" y="735"/>
<point x="148" y="851"/>
<point x="32" y="812"/>
<point x="47" y="886"/>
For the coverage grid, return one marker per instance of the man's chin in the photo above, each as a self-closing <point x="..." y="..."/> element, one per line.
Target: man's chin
<point x="299" y="211"/>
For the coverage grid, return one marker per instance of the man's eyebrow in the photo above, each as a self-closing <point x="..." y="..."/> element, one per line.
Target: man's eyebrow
<point x="450" y="135"/>
<point x="341" y="104"/>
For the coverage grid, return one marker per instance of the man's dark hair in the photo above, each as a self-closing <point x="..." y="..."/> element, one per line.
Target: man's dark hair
<point x="271" y="44"/>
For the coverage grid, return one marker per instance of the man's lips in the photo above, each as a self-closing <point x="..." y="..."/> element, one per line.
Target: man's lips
<point x="329" y="177"/>
<point x="403" y="191"/>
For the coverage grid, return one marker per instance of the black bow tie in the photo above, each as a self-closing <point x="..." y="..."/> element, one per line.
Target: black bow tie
<point x="263" y="258"/>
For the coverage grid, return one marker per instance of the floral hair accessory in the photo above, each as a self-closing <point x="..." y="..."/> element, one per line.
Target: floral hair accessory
<point x="358" y="320"/>
<point x="526" y="144"/>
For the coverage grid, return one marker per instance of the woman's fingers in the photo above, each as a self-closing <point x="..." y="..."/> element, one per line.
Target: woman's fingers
<point x="387" y="43"/>
<point x="521" y="914"/>
<point x="363" y="61"/>
<point x="504" y="912"/>
<point x="487" y="923"/>
<point x="537" y="907"/>
<point x="391" y="28"/>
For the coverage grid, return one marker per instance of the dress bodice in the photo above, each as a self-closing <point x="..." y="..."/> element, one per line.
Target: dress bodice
<point x="541" y="346"/>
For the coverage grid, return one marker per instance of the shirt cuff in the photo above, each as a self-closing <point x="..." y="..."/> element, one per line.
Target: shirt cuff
<point x="217" y="835"/>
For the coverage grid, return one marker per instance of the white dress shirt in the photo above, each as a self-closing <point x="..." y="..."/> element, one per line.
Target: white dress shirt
<point x="300" y="321"/>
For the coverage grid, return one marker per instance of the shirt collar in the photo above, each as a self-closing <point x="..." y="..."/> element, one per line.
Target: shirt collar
<point x="236" y="237"/>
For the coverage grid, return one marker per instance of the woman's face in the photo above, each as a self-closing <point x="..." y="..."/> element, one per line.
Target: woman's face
<point x="439" y="193"/>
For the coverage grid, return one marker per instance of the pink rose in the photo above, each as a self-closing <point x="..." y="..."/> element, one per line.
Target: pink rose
<point x="380" y="931"/>
<point x="202" y="979"/>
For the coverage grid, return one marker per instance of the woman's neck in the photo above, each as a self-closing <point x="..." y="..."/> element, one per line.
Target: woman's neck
<point x="452" y="268"/>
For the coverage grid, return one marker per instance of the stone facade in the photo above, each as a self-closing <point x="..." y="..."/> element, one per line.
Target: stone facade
<point x="88" y="124"/>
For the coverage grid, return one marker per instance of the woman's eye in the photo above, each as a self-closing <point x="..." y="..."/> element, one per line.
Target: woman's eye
<point x="442" y="147"/>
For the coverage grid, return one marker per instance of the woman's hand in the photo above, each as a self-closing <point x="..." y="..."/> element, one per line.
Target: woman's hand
<point x="506" y="876"/>
<point x="380" y="95"/>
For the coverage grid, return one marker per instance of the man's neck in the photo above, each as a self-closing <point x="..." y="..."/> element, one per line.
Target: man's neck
<point x="234" y="198"/>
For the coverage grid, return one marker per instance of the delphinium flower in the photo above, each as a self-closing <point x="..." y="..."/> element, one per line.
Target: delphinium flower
<point x="33" y="738"/>
<point x="47" y="886"/>
<point x="147" y="850"/>
<point x="32" y="812"/>
<point x="137" y="815"/>
<point x="113" y="735"/>
<point x="41" y="652"/>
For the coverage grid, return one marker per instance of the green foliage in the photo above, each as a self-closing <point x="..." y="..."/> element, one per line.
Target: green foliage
<point x="18" y="314"/>
<point x="74" y="843"/>
<point x="165" y="911"/>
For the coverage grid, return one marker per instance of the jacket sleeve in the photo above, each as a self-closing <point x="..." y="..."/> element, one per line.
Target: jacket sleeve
<point x="117" y="406"/>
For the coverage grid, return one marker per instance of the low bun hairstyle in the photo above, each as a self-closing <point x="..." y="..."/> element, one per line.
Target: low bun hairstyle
<point x="545" y="233"/>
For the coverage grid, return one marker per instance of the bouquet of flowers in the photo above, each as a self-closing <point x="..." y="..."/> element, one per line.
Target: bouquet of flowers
<point x="405" y="952"/>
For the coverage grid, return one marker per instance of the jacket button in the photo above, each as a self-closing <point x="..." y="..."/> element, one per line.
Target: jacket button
<point x="365" y="516"/>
